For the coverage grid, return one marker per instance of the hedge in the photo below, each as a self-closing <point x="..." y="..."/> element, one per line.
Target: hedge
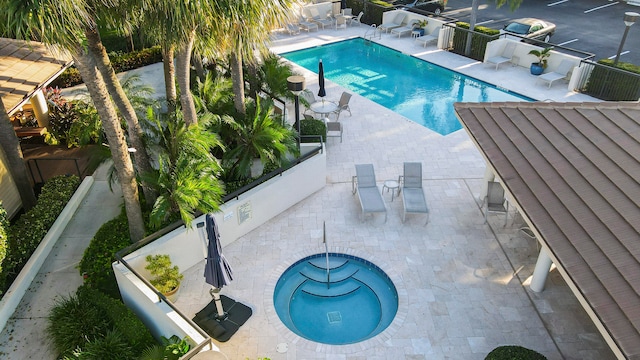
<point x="607" y="83"/>
<point x="120" y="63"/>
<point x="95" y="265"/>
<point x="313" y="128"/>
<point x="478" y="41"/>
<point x="513" y="352"/>
<point x="4" y="226"/>
<point x="29" y="230"/>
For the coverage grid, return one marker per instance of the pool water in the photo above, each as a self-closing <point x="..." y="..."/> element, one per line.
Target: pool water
<point x="359" y="302"/>
<point x="417" y="89"/>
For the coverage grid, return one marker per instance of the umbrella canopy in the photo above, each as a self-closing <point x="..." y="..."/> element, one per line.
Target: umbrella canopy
<point x="321" y="93"/>
<point x="343" y="4"/>
<point x="217" y="271"/>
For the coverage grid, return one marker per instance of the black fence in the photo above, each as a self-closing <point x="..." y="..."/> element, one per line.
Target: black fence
<point x="456" y="39"/>
<point x="608" y="83"/>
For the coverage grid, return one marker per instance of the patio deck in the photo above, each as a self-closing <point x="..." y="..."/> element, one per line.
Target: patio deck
<point x="462" y="283"/>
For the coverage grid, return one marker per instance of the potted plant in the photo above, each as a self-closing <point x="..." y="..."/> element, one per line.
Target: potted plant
<point x="167" y="278"/>
<point x="419" y="26"/>
<point x="538" y="67"/>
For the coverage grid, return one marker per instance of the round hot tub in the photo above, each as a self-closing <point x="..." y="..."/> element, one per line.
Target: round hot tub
<point x="353" y="301"/>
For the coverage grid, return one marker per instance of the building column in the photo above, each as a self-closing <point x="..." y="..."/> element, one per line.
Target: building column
<point x="540" y="273"/>
<point x="40" y="108"/>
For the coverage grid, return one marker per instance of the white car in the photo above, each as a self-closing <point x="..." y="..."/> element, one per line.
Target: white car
<point x="529" y="28"/>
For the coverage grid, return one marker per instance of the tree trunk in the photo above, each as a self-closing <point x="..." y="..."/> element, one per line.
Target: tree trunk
<point x="197" y="63"/>
<point x="238" y="82"/>
<point x="15" y="163"/>
<point x="183" y="74"/>
<point x="169" y="78"/>
<point x="472" y="25"/>
<point x="117" y="143"/>
<point x="143" y="164"/>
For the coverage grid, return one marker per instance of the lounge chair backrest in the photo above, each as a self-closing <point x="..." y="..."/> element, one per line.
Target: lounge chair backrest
<point x="360" y="16"/>
<point x="412" y="175"/>
<point x="308" y="97"/>
<point x="365" y="175"/>
<point x="347" y="11"/>
<point x="495" y="193"/>
<point x="564" y="67"/>
<point x="344" y="100"/>
<point x="314" y="13"/>
<point x="399" y="18"/>
<point x="435" y="32"/>
<point x="508" y="50"/>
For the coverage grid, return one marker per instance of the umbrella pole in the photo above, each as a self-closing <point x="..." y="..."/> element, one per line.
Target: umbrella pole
<point x="215" y="292"/>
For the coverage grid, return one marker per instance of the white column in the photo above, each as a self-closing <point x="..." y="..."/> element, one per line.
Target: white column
<point x="489" y="175"/>
<point x="40" y="108"/>
<point x="543" y="266"/>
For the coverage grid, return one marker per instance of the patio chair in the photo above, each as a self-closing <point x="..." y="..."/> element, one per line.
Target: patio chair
<point x="495" y="201"/>
<point x="334" y="129"/>
<point x="316" y="18"/>
<point x="357" y="19"/>
<point x="364" y="183"/>
<point x="413" y="200"/>
<point x="308" y="98"/>
<point x="396" y="23"/>
<point x="308" y="25"/>
<point x="341" y="22"/>
<point x="506" y="56"/>
<point x="560" y="73"/>
<point x="432" y="37"/>
<point x="407" y="29"/>
<point x="343" y="104"/>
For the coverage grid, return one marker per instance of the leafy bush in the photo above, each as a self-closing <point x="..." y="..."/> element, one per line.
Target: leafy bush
<point x="91" y="325"/>
<point x="512" y="352"/>
<point x="120" y="63"/>
<point x="166" y="278"/>
<point x="478" y="41"/>
<point x="95" y="265"/>
<point x="27" y="233"/>
<point x="4" y="225"/>
<point x="313" y="128"/>
<point x="607" y="83"/>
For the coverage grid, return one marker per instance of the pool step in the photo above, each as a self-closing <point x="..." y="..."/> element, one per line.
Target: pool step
<point x="335" y="274"/>
<point x="334" y="263"/>
<point x="388" y="303"/>
<point x="334" y="290"/>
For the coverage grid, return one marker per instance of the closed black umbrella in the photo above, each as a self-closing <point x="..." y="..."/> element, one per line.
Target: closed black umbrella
<point x="321" y="92"/>
<point x="217" y="271"/>
<point x="343" y="4"/>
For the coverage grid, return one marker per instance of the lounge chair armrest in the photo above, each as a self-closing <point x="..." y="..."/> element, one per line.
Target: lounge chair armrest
<point x="354" y="180"/>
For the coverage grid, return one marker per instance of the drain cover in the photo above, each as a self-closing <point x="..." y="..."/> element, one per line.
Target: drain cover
<point x="282" y="347"/>
<point x="334" y="317"/>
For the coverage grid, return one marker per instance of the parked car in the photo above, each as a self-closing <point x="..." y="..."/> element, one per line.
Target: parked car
<point x="433" y="6"/>
<point x="530" y="28"/>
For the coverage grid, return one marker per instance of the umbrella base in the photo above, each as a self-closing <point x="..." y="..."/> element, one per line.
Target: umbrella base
<point x="218" y="328"/>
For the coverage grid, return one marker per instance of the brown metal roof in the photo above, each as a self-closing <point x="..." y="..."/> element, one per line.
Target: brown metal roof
<point x="574" y="170"/>
<point x="25" y="67"/>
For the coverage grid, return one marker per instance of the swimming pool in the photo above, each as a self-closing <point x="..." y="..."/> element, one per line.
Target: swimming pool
<point x="420" y="91"/>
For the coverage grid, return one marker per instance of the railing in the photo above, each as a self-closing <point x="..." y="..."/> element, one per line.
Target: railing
<point x="608" y="82"/>
<point x="456" y="41"/>
<point x="374" y="30"/>
<point x="35" y="162"/>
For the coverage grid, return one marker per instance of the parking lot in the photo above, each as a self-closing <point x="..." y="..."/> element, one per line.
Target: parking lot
<point x="594" y="26"/>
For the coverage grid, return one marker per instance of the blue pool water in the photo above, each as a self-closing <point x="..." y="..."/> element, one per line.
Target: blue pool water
<point x="359" y="303"/>
<point x="418" y="90"/>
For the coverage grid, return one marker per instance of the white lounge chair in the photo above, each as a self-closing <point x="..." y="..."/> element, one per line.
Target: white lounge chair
<point x="397" y="22"/>
<point x="308" y="25"/>
<point x="407" y="29"/>
<point x="316" y="18"/>
<point x="507" y="54"/>
<point x="560" y="73"/>
<point x="293" y="29"/>
<point x="426" y="39"/>
<point x="364" y="184"/>
<point x="413" y="199"/>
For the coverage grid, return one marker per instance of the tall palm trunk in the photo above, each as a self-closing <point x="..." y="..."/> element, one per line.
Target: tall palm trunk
<point x="169" y="78"/>
<point x="99" y="53"/>
<point x="238" y="81"/>
<point x="117" y="143"/>
<point x="183" y="74"/>
<point x="472" y="25"/>
<point x="15" y="163"/>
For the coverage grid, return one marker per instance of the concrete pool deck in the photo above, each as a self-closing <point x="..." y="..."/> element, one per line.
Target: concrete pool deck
<point x="463" y="283"/>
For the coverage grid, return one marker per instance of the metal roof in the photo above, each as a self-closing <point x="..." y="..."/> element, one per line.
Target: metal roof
<point x="26" y="67"/>
<point x="574" y="171"/>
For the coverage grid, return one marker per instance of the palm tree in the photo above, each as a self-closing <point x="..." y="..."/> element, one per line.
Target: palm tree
<point x="187" y="173"/>
<point x="62" y="22"/>
<point x="10" y="146"/>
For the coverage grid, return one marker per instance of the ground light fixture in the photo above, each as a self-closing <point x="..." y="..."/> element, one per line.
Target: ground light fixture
<point x="629" y="19"/>
<point x="295" y="84"/>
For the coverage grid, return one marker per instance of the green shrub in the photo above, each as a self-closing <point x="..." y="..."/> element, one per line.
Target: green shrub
<point x="512" y="352"/>
<point x="313" y="128"/>
<point x="4" y="225"/>
<point x="29" y="230"/>
<point x="95" y="265"/>
<point x="606" y="83"/>
<point x="478" y="41"/>
<point x="120" y="63"/>
<point x="91" y="325"/>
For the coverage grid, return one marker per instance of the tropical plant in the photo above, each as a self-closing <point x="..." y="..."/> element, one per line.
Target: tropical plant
<point x="273" y="74"/>
<point x="258" y="136"/>
<point x="4" y="227"/>
<point x="421" y="24"/>
<point x="166" y="278"/>
<point x="187" y="175"/>
<point x="172" y="348"/>
<point x="542" y="56"/>
<point x="214" y="94"/>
